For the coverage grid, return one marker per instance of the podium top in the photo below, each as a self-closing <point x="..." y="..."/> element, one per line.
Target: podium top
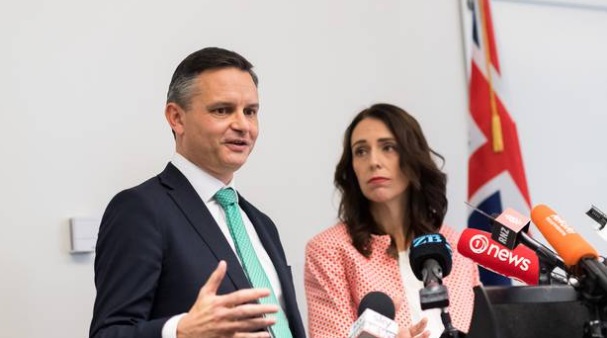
<point x="554" y="311"/>
<point x="531" y="294"/>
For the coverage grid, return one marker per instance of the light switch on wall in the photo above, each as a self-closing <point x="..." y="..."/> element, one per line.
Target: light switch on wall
<point x="83" y="233"/>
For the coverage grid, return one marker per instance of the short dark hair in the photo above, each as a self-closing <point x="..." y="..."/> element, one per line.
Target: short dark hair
<point x="182" y="82"/>
<point x="427" y="202"/>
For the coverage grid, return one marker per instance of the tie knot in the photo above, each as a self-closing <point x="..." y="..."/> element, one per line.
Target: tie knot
<point x="225" y="197"/>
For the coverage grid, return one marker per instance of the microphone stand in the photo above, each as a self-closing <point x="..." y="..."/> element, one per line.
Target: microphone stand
<point x="593" y="291"/>
<point x="450" y="330"/>
<point x="594" y="327"/>
<point x="547" y="274"/>
<point x="435" y="295"/>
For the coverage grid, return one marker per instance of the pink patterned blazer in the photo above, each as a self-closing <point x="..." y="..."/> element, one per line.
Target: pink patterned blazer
<point x="337" y="277"/>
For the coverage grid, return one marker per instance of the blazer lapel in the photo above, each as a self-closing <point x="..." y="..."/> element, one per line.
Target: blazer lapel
<point x="268" y="236"/>
<point x="186" y="198"/>
<point x="268" y="241"/>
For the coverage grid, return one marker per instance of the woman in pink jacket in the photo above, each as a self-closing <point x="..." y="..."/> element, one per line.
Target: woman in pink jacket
<point x="391" y="191"/>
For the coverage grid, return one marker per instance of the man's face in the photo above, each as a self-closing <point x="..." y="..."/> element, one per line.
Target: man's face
<point x="218" y="130"/>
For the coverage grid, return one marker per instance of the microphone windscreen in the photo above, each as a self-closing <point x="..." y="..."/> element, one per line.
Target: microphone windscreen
<point x="521" y="263"/>
<point x="378" y="302"/>
<point x="565" y="241"/>
<point x="430" y="246"/>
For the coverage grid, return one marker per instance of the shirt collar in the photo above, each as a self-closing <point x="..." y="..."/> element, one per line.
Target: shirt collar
<point x="205" y="184"/>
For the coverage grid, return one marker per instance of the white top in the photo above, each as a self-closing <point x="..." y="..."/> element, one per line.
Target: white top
<point x="412" y="287"/>
<point x="206" y="186"/>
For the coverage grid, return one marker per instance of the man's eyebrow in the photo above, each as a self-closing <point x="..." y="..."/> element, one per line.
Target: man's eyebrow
<point x="219" y="104"/>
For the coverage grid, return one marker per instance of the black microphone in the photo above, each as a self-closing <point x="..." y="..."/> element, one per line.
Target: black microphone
<point x="378" y="302"/>
<point x="375" y="317"/>
<point x="430" y="256"/>
<point x="510" y="229"/>
<point x="430" y="259"/>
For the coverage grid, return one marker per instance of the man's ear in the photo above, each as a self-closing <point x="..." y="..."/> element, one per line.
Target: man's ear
<point x="174" y="115"/>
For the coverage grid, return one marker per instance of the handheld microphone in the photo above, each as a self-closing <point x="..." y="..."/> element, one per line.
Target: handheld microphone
<point x="575" y="251"/>
<point x="375" y="317"/>
<point x="521" y="263"/>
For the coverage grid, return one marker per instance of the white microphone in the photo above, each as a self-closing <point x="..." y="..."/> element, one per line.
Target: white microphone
<point x="601" y="219"/>
<point x="375" y="317"/>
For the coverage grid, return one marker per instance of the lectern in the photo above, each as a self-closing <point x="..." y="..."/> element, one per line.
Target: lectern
<point x="548" y="311"/>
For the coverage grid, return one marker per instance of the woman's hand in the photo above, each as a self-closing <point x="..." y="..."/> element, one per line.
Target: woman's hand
<point x="415" y="331"/>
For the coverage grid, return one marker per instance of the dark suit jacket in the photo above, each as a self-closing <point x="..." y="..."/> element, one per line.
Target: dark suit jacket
<point x="157" y="246"/>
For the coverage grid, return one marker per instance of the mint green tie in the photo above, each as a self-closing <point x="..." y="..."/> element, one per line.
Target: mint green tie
<point x="252" y="267"/>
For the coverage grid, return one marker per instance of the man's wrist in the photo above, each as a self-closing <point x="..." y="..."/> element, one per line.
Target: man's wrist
<point x="169" y="329"/>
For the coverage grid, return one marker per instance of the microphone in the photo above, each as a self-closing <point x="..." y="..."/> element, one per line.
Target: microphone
<point x="375" y="317"/>
<point x="510" y="229"/>
<point x="521" y="263"/>
<point x="568" y="243"/>
<point x="430" y="259"/>
<point x="575" y="251"/>
<point x="600" y="218"/>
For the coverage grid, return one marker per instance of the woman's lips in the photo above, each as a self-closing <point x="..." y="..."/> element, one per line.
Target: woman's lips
<point x="376" y="180"/>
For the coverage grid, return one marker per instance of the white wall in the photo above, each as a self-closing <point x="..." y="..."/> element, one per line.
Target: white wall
<point x="82" y="91"/>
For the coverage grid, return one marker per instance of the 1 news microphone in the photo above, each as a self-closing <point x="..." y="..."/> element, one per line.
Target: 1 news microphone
<point x="577" y="254"/>
<point x="375" y="317"/>
<point x="521" y="263"/>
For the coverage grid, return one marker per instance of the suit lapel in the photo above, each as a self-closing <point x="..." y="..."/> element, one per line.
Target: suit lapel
<point x="268" y="240"/>
<point x="268" y="236"/>
<point x="186" y="198"/>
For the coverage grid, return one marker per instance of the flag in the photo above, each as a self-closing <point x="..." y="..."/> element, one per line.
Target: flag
<point x="496" y="175"/>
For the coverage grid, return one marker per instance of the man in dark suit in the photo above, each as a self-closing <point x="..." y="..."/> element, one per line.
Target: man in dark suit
<point x="167" y="261"/>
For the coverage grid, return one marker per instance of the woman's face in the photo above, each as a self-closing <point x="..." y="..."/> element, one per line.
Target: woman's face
<point x="376" y="162"/>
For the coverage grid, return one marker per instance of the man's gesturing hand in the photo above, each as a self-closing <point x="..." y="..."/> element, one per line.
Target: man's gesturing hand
<point x="232" y="315"/>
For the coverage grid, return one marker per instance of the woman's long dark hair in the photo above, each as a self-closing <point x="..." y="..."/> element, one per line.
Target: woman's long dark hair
<point x="427" y="202"/>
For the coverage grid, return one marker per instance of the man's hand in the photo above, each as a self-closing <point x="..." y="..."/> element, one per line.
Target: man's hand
<point x="230" y="315"/>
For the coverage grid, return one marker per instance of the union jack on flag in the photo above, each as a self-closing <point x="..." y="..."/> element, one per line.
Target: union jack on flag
<point x="496" y="176"/>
